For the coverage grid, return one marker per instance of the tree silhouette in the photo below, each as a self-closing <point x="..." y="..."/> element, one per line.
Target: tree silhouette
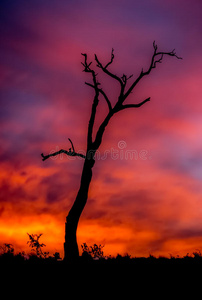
<point x="36" y="246"/>
<point x="70" y="246"/>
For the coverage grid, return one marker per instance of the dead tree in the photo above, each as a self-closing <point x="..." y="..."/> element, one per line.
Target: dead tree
<point x="70" y="246"/>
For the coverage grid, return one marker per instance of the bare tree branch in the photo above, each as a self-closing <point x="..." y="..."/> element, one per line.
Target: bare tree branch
<point x="71" y="152"/>
<point x="112" y="58"/>
<point x="133" y="105"/>
<point x="89" y="70"/>
<point x="106" y="98"/>
<point x="157" y="57"/>
<point x="44" y="157"/>
<point x="95" y="101"/>
<point x="154" y="61"/>
<point x="105" y="70"/>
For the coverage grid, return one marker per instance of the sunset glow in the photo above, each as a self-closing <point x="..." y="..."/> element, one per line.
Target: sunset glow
<point x="146" y="193"/>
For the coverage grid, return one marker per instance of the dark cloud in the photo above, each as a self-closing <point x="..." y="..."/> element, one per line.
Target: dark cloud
<point x="187" y="233"/>
<point x="11" y="194"/>
<point x="94" y="211"/>
<point x="59" y="186"/>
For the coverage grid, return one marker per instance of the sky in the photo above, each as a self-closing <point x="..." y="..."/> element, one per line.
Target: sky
<point x="146" y="193"/>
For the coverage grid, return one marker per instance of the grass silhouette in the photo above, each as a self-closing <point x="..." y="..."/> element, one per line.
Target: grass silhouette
<point x="91" y="256"/>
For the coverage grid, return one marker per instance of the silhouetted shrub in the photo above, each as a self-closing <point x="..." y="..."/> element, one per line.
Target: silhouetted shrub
<point x="197" y="255"/>
<point x="123" y="258"/>
<point x="94" y="251"/>
<point x="36" y="246"/>
<point x="7" y="249"/>
<point x="56" y="256"/>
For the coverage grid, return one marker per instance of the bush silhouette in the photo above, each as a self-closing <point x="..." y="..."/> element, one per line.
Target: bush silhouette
<point x="36" y="246"/>
<point x="94" y="251"/>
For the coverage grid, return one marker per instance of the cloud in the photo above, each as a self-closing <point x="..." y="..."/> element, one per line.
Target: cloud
<point x="11" y="194"/>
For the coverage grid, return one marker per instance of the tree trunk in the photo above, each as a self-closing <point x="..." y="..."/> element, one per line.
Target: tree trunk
<point x="71" y="252"/>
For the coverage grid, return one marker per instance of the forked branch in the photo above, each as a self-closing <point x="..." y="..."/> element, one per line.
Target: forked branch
<point x="95" y="82"/>
<point x="103" y="93"/>
<point x="157" y="57"/>
<point x="125" y="78"/>
<point x="89" y="70"/>
<point x="105" y="70"/>
<point x="154" y="60"/>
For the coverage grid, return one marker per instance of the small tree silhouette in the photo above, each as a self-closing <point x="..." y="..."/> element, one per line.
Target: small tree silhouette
<point x="36" y="246"/>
